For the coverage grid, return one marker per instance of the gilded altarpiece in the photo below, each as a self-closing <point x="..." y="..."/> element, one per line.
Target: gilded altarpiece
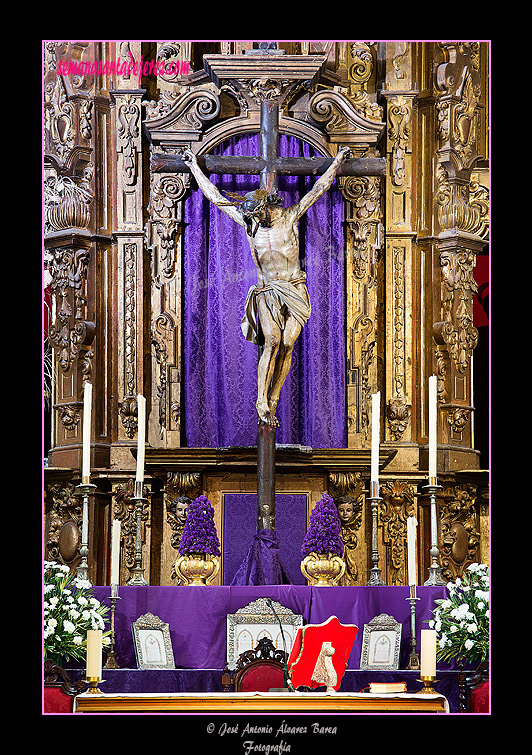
<point x="114" y="253"/>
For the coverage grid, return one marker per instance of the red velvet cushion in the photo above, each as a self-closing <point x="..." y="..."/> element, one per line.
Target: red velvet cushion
<point x="480" y="698"/>
<point x="307" y="646"/>
<point x="56" y="701"/>
<point x="261" y="678"/>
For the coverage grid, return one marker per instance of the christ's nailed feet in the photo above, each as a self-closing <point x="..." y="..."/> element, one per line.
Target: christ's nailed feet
<point x="266" y="416"/>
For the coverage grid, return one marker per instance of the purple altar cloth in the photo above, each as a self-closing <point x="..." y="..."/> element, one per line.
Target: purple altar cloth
<point x="197" y="615"/>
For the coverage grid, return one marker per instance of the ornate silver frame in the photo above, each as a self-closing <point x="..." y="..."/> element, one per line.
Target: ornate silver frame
<point x="387" y="630"/>
<point x="152" y="626"/>
<point x="256" y="617"/>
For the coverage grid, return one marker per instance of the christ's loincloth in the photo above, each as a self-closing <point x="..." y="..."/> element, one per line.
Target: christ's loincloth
<point x="282" y="299"/>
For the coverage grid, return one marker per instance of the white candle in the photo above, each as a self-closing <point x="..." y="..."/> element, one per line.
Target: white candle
<point x="141" y="440"/>
<point x="411" y="532"/>
<point x="428" y="652"/>
<point x="433" y="424"/>
<point x="86" y="462"/>
<point x="115" y="553"/>
<point x="94" y="653"/>
<point x="375" y="435"/>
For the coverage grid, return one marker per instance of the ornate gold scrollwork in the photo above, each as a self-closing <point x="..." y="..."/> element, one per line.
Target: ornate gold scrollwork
<point x="124" y="511"/>
<point x="64" y="536"/>
<point x="460" y="538"/>
<point x="398" y="505"/>
<point x="71" y="330"/>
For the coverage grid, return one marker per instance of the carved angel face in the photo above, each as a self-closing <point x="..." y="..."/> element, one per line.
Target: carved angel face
<point x="346" y="511"/>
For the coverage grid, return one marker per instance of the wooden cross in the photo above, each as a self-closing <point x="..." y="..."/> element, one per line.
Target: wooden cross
<point x="269" y="165"/>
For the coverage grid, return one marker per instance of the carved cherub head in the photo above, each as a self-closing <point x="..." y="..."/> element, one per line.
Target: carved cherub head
<point x="346" y="508"/>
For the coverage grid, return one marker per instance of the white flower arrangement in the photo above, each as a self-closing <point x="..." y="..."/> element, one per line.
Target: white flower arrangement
<point x="69" y="610"/>
<point x="462" y="619"/>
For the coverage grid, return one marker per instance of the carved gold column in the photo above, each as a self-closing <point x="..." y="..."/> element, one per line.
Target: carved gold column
<point x="399" y="354"/>
<point x="77" y="239"/>
<point x="460" y="221"/>
<point x="131" y="343"/>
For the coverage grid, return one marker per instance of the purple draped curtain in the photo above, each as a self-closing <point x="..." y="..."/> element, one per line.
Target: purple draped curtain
<point x="275" y="553"/>
<point x="220" y="366"/>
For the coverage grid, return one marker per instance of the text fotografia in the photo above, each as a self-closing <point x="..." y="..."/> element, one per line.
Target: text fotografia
<point x="251" y="746"/>
<point x="123" y="67"/>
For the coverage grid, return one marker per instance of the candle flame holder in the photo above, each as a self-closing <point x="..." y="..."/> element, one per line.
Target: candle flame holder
<point x="93" y="682"/>
<point x="111" y="661"/>
<point x="413" y="659"/>
<point x="375" y="579"/>
<point x="85" y="490"/>
<point x="435" y="577"/>
<point x="428" y="689"/>
<point x="138" y="500"/>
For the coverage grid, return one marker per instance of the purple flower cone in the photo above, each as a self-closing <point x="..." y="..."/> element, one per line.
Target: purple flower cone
<point x="199" y="533"/>
<point x="324" y="530"/>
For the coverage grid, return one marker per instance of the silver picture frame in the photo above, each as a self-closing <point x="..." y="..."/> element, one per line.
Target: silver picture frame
<point x="381" y="644"/>
<point x="153" y="646"/>
<point x="256" y="620"/>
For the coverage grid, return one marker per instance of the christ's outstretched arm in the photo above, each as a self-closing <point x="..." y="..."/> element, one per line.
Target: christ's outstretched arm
<point x="210" y="191"/>
<point x="322" y="184"/>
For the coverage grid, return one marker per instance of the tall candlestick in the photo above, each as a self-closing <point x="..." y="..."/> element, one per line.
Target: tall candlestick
<point x="375" y="435"/>
<point x="94" y="654"/>
<point x="141" y="441"/>
<point x="411" y="525"/>
<point x="433" y="425"/>
<point x="428" y="652"/>
<point x="86" y="459"/>
<point x="115" y="553"/>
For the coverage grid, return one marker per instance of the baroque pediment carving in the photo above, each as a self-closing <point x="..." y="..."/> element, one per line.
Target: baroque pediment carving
<point x="182" y="117"/>
<point x="343" y="120"/>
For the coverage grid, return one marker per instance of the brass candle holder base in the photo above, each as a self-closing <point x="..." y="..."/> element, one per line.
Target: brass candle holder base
<point x="93" y="682"/>
<point x="428" y="689"/>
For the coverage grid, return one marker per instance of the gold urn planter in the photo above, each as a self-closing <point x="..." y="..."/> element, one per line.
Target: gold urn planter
<point x="323" y="569"/>
<point x="197" y="568"/>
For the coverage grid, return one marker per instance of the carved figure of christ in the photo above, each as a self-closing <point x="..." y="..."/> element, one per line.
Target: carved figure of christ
<point x="280" y="296"/>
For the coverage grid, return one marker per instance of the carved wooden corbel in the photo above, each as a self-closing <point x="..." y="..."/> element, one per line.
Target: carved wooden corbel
<point x="128" y="411"/>
<point x="363" y="214"/>
<point x="399" y="115"/>
<point x="397" y="416"/>
<point x="166" y="192"/>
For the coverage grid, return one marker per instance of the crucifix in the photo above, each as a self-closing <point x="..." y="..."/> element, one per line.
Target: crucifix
<point x="278" y="306"/>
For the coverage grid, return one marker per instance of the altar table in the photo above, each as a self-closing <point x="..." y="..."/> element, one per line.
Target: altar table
<point x="197" y="623"/>
<point x="261" y="702"/>
<point x="197" y="615"/>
